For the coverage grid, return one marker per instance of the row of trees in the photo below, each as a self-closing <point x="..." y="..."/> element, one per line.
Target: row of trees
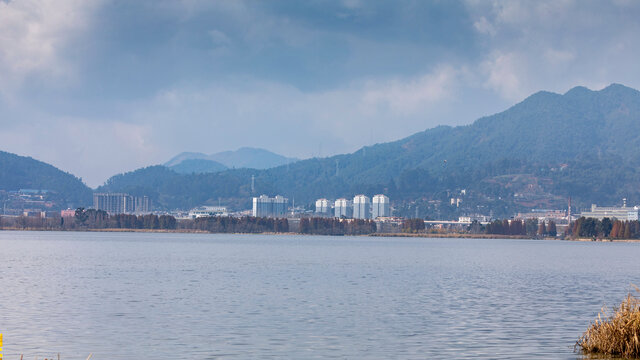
<point x="412" y="225"/>
<point x="91" y="219"/>
<point x="506" y="227"/>
<point x="100" y="219"/>
<point x="548" y="229"/>
<point x="227" y="224"/>
<point x="530" y="227"/>
<point x="605" y="228"/>
<point x="26" y="222"/>
<point x="333" y="226"/>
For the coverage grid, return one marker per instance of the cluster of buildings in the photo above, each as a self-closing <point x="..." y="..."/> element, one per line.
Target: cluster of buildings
<point x="361" y="207"/>
<point x="29" y="201"/>
<point x="624" y="213"/>
<point x="120" y="203"/>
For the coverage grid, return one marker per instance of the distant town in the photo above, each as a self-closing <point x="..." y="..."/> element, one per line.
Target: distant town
<point x="22" y="205"/>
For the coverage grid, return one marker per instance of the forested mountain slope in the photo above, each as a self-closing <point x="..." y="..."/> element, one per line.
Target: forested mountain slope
<point x="20" y="172"/>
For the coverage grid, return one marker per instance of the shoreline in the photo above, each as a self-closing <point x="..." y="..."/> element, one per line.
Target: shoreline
<point x="387" y="235"/>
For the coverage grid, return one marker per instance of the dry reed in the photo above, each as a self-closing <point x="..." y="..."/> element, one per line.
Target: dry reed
<point x="618" y="334"/>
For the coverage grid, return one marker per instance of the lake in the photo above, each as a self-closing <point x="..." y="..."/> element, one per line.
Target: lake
<point x="197" y="296"/>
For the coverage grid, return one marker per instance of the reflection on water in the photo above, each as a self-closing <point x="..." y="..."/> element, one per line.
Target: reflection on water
<point x="168" y="296"/>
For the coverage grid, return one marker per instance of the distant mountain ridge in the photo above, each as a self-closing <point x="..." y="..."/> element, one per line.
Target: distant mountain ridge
<point x="197" y="166"/>
<point x="535" y="154"/>
<point x="245" y="157"/>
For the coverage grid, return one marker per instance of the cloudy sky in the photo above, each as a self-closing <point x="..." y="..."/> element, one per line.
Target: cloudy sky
<point x="101" y="87"/>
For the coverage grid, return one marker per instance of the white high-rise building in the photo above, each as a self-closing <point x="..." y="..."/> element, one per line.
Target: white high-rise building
<point x="323" y="206"/>
<point x="342" y="208"/>
<point x="380" y="206"/>
<point x="280" y="204"/>
<point x="361" y="207"/>
<point x="261" y="206"/>
<point x="265" y="206"/>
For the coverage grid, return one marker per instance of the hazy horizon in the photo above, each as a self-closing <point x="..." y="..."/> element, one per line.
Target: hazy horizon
<point x="99" y="88"/>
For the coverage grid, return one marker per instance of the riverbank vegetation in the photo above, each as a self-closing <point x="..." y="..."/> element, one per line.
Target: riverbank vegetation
<point x="529" y="227"/>
<point x="413" y="226"/>
<point x="91" y="220"/>
<point x="605" y="228"/>
<point x="617" y="334"/>
<point x="227" y="224"/>
<point x="334" y="226"/>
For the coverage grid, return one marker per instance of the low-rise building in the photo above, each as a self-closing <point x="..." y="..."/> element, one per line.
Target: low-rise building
<point x="612" y="212"/>
<point x="544" y="215"/>
<point x="483" y="219"/>
<point x="208" y="211"/>
<point x="68" y="213"/>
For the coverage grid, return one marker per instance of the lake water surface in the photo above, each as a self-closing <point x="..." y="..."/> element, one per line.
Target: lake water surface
<point x="192" y="296"/>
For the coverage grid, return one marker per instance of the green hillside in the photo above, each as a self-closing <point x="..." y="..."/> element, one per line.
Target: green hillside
<point x="536" y="154"/>
<point x="20" y="172"/>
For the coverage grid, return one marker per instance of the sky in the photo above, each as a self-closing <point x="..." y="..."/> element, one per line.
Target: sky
<point x="100" y="87"/>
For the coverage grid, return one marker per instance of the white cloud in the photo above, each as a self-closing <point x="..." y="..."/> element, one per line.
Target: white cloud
<point x="554" y="45"/>
<point x="483" y="26"/>
<point x="502" y="74"/>
<point x="559" y="56"/>
<point x="410" y="96"/>
<point x="33" y="34"/>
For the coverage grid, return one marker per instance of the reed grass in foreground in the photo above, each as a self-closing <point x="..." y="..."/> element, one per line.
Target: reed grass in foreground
<point x="618" y="334"/>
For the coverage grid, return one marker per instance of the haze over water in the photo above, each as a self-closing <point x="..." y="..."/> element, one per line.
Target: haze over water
<point x="168" y="296"/>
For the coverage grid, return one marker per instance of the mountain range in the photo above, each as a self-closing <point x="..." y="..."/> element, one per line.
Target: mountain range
<point x="538" y="153"/>
<point x="245" y="157"/>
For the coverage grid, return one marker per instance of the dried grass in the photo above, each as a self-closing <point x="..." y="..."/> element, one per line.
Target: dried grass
<point x="618" y="334"/>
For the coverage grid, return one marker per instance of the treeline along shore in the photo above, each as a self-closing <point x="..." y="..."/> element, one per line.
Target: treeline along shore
<point x="99" y="220"/>
<point x="605" y="229"/>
